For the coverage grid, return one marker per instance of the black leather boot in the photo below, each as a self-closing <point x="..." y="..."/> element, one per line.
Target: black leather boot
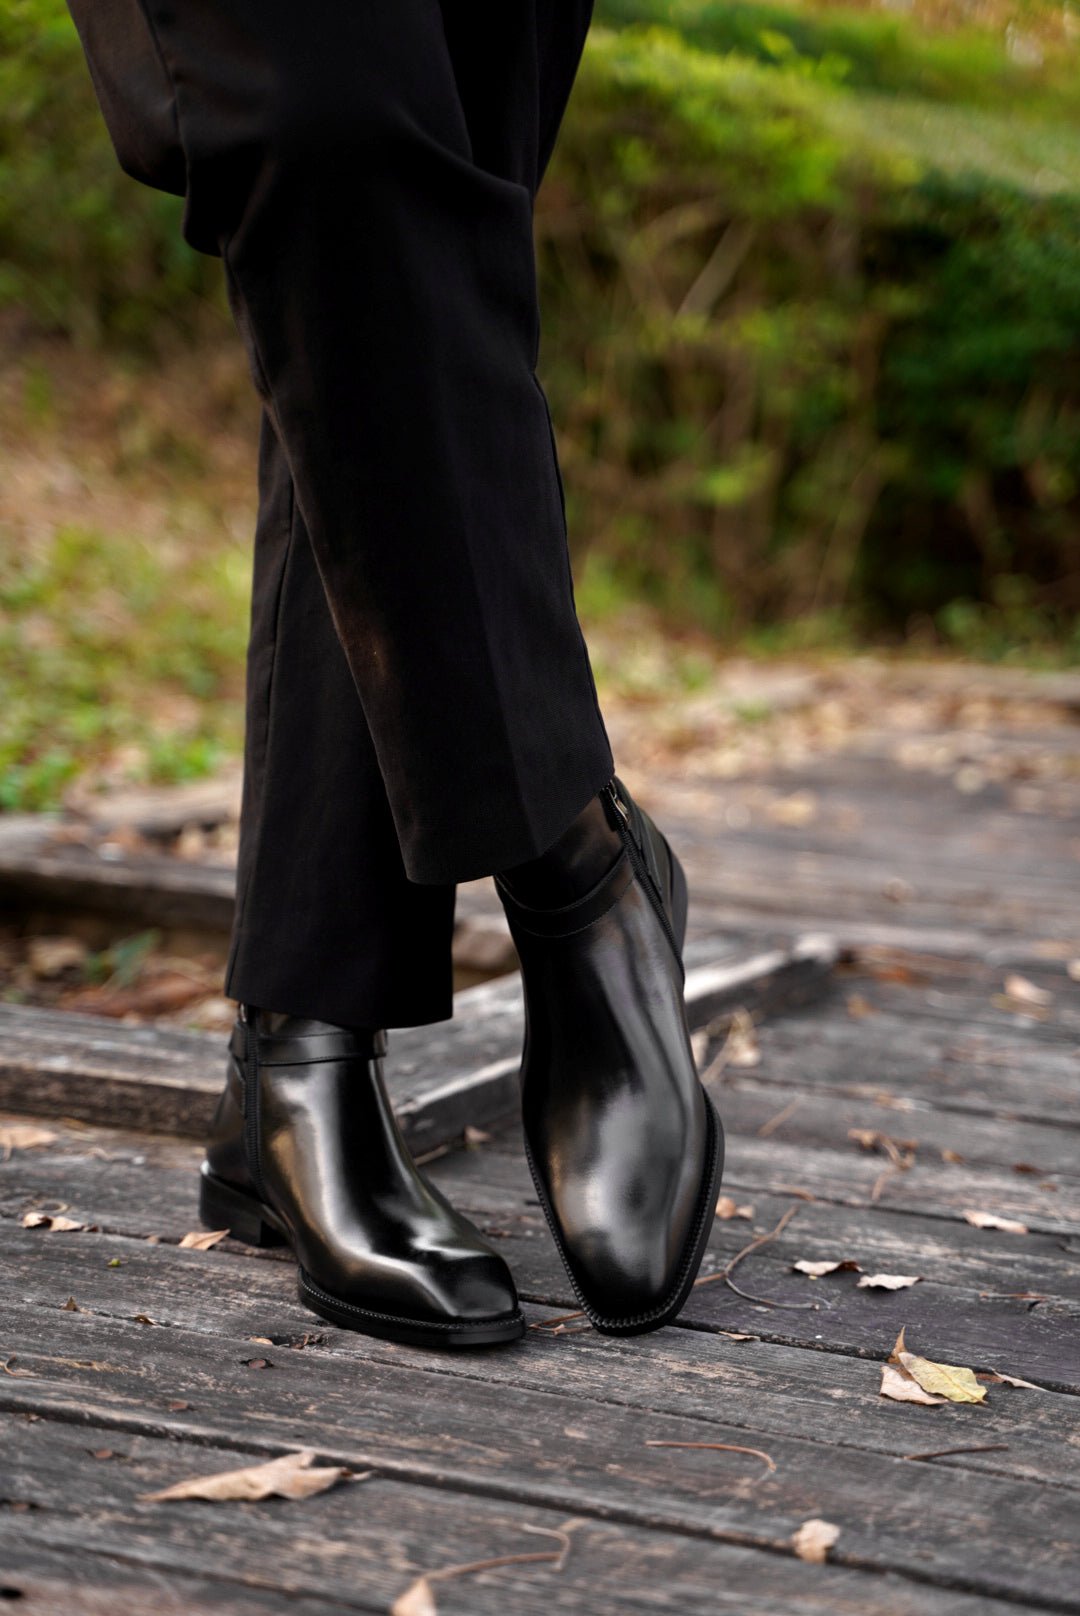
<point x="305" y="1150"/>
<point x="625" y="1148"/>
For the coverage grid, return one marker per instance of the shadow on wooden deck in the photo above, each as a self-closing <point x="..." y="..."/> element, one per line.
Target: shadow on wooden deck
<point x="131" y="1363"/>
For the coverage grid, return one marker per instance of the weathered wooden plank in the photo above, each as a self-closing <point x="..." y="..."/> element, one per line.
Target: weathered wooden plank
<point x="771" y="1388"/>
<point x="142" y="1185"/>
<point x="379" y="1535"/>
<point x="796" y="1115"/>
<point x="966" y="1309"/>
<point x="45" y="1581"/>
<point x="558" y="1453"/>
<point x="441" y="1078"/>
<point x="1007" y="1071"/>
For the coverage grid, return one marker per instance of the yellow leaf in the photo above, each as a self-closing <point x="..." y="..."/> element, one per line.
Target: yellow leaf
<point x="814" y="1539"/>
<point x="950" y="1381"/>
<point x="898" y="1385"/>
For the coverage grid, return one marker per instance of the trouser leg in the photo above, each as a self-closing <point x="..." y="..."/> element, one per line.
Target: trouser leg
<point x="327" y="922"/>
<point x="385" y="285"/>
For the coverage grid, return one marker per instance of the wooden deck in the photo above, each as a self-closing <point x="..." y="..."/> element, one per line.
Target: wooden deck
<point x="131" y="1363"/>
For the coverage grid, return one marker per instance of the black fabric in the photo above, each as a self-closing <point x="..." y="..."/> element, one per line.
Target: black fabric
<point x="421" y="709"/>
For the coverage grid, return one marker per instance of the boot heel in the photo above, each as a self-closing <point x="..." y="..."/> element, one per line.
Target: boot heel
<point x="223" y="1207"/>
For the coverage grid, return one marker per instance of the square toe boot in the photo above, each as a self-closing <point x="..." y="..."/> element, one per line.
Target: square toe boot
<point x="625" y="1148"/>
<point x="305" y="1150"/>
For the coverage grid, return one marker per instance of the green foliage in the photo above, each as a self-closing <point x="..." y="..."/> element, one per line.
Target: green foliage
<point x="83" y="248"/>
<point x="810" y="279"/>
<point x="845" y="377"/>
<point x="98" y="634"/>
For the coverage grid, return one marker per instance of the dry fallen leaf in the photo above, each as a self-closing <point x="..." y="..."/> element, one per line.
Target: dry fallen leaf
<point x="994" y="1377"/>
<point x="858" y="1006"/>
<point x="1025" y="992"/>
<point x="203" y="1239"/>
<point x="990" y="1220"/>
<point x="950" y="1381"/>
<point x="814" y="1539"/>
<point x="727" y="1208"/>
<point x="71" y="1306"/>
<point x="417" y="1600"/>
<point x="23" y="1136"/>
<point x="290" y="1476"/>
<point x="817" y="1270"/>
<point x="798" y="809"/>
<point x="887" y="1282"/>
<point x="54" y="1222"/>
<point x="1073" y="970"/>
<point x="475" y="1136"/>
<point x="898" y="1385"/>
<point x="952" y="1156"/>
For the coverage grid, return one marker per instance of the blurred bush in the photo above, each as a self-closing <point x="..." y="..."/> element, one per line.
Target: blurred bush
<point x="811" y="286"/>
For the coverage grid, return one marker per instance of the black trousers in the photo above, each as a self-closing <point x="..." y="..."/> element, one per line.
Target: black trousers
<point x="421" y="709"/>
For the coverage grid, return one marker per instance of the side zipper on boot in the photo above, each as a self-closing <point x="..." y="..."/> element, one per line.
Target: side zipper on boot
<point x="250" y="1089"/>
<point x="637" y="859"/>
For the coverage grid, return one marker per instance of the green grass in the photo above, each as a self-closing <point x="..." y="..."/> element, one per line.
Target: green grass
<point x="119" y="654"/>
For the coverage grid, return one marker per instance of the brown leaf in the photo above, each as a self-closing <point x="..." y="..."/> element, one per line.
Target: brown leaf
<point x="994" y="1377"/>
<point x="859" y="1007"/>
<point x="898" y="1385"/>
<point x="887" y="1282"/>
<point x="727" y="1208"/>
<point x="143" y="1318"/>
<point x="798" y="809"/>
<point x="814" y="1539"/>
<point x="952" y="1156"/>
<point x="990" y="1220"/>
<point x="203" y="1239"/>
<point x="417" y="1600"/>
<point x="949" y="1381"/>
<point x="257" y="1363"/>
<point x="262" y="1340"/>
<point x="817" y="1270"/>
<point x="177" y="1405"/>
<point x="53" y="1222"/>
<point x="290" y="1476"/>
<point x="71" y="1306"/>
<point x="23" y="1136"/>
<point x="736" y="1335"/>
<point x="1025" y="992"/>
<point x="475" y="1136"/>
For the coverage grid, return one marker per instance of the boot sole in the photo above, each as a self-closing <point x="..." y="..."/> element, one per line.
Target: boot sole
<point x="222" y="1206"/>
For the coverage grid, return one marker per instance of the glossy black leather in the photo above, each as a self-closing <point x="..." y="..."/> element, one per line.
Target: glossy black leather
<point x="321" y="1162"/>
<point x="623" y="1143"/>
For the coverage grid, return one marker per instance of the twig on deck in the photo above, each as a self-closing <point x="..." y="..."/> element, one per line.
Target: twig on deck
<point x="723" y="1447"/>
<point x="726" y="1272"/>
<point x="946" y="1453"/>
